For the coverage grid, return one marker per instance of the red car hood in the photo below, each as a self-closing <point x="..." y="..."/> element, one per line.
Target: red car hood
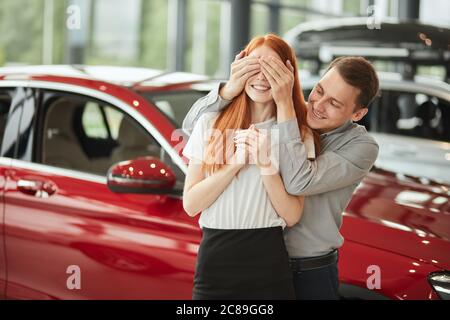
<point x="403" y="215"/>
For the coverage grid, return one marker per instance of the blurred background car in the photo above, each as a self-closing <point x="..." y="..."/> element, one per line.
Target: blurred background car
<point x="405" y="46"/>
<point x="411" y="122"/>
<point x="411" y="117"/>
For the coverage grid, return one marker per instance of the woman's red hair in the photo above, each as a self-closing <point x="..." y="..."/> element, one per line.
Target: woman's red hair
<point x="238" y="115"/>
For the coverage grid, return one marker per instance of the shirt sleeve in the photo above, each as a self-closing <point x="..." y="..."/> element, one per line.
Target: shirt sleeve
<point x="195" y="147"/>
<point x="330" y="171"/>
<point x="212" y="102"/>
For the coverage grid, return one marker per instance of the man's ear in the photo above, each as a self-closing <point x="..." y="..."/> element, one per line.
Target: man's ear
<point x="358" y="115"/>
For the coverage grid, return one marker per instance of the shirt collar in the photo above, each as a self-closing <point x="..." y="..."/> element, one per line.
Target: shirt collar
<point x="340" y="129"/>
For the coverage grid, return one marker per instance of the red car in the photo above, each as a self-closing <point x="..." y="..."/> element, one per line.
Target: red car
<point x="91" y="182"/>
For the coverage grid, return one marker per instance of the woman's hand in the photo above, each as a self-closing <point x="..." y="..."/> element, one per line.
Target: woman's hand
<point x="242" y="69"/>
<point x="242" y="154"/>
<point x="258" y="145"/>
<point x="241" y="157"/>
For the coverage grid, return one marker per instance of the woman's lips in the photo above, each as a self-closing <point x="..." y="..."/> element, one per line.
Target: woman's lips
<point x="260" y="88"/>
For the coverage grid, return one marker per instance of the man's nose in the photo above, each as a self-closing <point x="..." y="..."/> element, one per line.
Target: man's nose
<point x="320" y="105"/>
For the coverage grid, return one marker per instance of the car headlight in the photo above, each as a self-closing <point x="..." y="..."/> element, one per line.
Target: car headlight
<point x="440" y="281"/>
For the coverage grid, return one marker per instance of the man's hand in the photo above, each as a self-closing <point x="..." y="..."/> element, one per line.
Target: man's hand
<point x="281" y="79"/>
<point x="241" y="70"/>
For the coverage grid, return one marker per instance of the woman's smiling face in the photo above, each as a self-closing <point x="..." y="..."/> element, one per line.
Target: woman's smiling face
<point x="257" y="87"/>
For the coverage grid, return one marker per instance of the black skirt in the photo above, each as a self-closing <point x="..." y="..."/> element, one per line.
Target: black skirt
<point x="243" y="264"/>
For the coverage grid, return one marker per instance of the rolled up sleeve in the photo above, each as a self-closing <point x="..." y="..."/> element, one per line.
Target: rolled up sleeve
<point x="212" y="102"/>
<point x="330" y="171"/>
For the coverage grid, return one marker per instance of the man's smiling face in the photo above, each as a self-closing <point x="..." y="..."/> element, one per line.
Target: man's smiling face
<point x="332" y="102"/>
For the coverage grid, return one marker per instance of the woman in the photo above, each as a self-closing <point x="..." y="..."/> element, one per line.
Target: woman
<point x="244" y="206"/>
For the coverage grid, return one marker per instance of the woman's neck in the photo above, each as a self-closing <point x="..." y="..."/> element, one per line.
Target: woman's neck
<point x="262" y="111"/>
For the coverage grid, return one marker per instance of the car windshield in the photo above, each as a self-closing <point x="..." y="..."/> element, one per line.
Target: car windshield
<point x="174" y="104"/>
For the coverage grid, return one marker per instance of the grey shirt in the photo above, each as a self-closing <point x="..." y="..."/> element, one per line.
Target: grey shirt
<point x="347" y="155"/>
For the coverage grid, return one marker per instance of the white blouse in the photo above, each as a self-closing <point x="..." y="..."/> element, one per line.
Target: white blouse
<point x="244" y="204"/>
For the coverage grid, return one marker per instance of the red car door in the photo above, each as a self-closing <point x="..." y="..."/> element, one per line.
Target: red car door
<point x="9" y="127"/>
<point x="67" y="235"/>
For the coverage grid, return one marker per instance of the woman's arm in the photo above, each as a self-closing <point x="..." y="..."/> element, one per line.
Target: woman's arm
<point x="200" y="192"/>
<point x="289" y="207"/>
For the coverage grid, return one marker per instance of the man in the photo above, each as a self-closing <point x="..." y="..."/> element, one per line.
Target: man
<point x="347" y="154"/>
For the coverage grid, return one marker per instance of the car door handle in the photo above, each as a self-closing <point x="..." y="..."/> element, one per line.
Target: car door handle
<point x="37" y="188"/>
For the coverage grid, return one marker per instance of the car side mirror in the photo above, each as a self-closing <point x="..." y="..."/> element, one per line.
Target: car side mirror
<point x="141" y="175"/>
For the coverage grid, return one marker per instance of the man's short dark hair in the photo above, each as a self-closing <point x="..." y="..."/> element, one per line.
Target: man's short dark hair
<point x="359" y="73"/>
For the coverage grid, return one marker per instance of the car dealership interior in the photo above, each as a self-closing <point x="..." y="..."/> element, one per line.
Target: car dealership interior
<point x="101" y="193"/>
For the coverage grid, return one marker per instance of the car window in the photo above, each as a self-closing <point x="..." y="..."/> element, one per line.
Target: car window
<point x="113" y="118"/>
<point x="88" y="135"/>
<point x="93" y="122"/>
<point x="18" y="130"/>
<point x="410" y="114"/>
<point x="174" y="104"/>
<point x="5" y="104"/>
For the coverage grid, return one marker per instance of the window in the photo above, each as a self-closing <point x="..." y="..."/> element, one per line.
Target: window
<point x="410" y="114"/>
<point x="175" y="105"/>
<point x="5" y="104"/>
<point x="88" y="135"/>
<point x="114" y="118"/>
<point x="93" y="122"/>
<point x="115" y="40"/>
<point x="21" y="112"/>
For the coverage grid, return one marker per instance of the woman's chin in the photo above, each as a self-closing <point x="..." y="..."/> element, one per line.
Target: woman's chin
<point x="260" y="97"/>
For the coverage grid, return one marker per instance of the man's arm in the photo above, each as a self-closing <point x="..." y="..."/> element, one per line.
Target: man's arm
<point x="330" y="171"/>
<point x="212" y="102"/>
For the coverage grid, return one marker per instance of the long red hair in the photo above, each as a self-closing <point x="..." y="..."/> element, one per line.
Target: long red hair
<point x="238" y="114"/>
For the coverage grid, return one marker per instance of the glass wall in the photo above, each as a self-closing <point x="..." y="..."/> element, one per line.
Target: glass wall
<point x="21" y="34"/>
<point x="135" y="32"/>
